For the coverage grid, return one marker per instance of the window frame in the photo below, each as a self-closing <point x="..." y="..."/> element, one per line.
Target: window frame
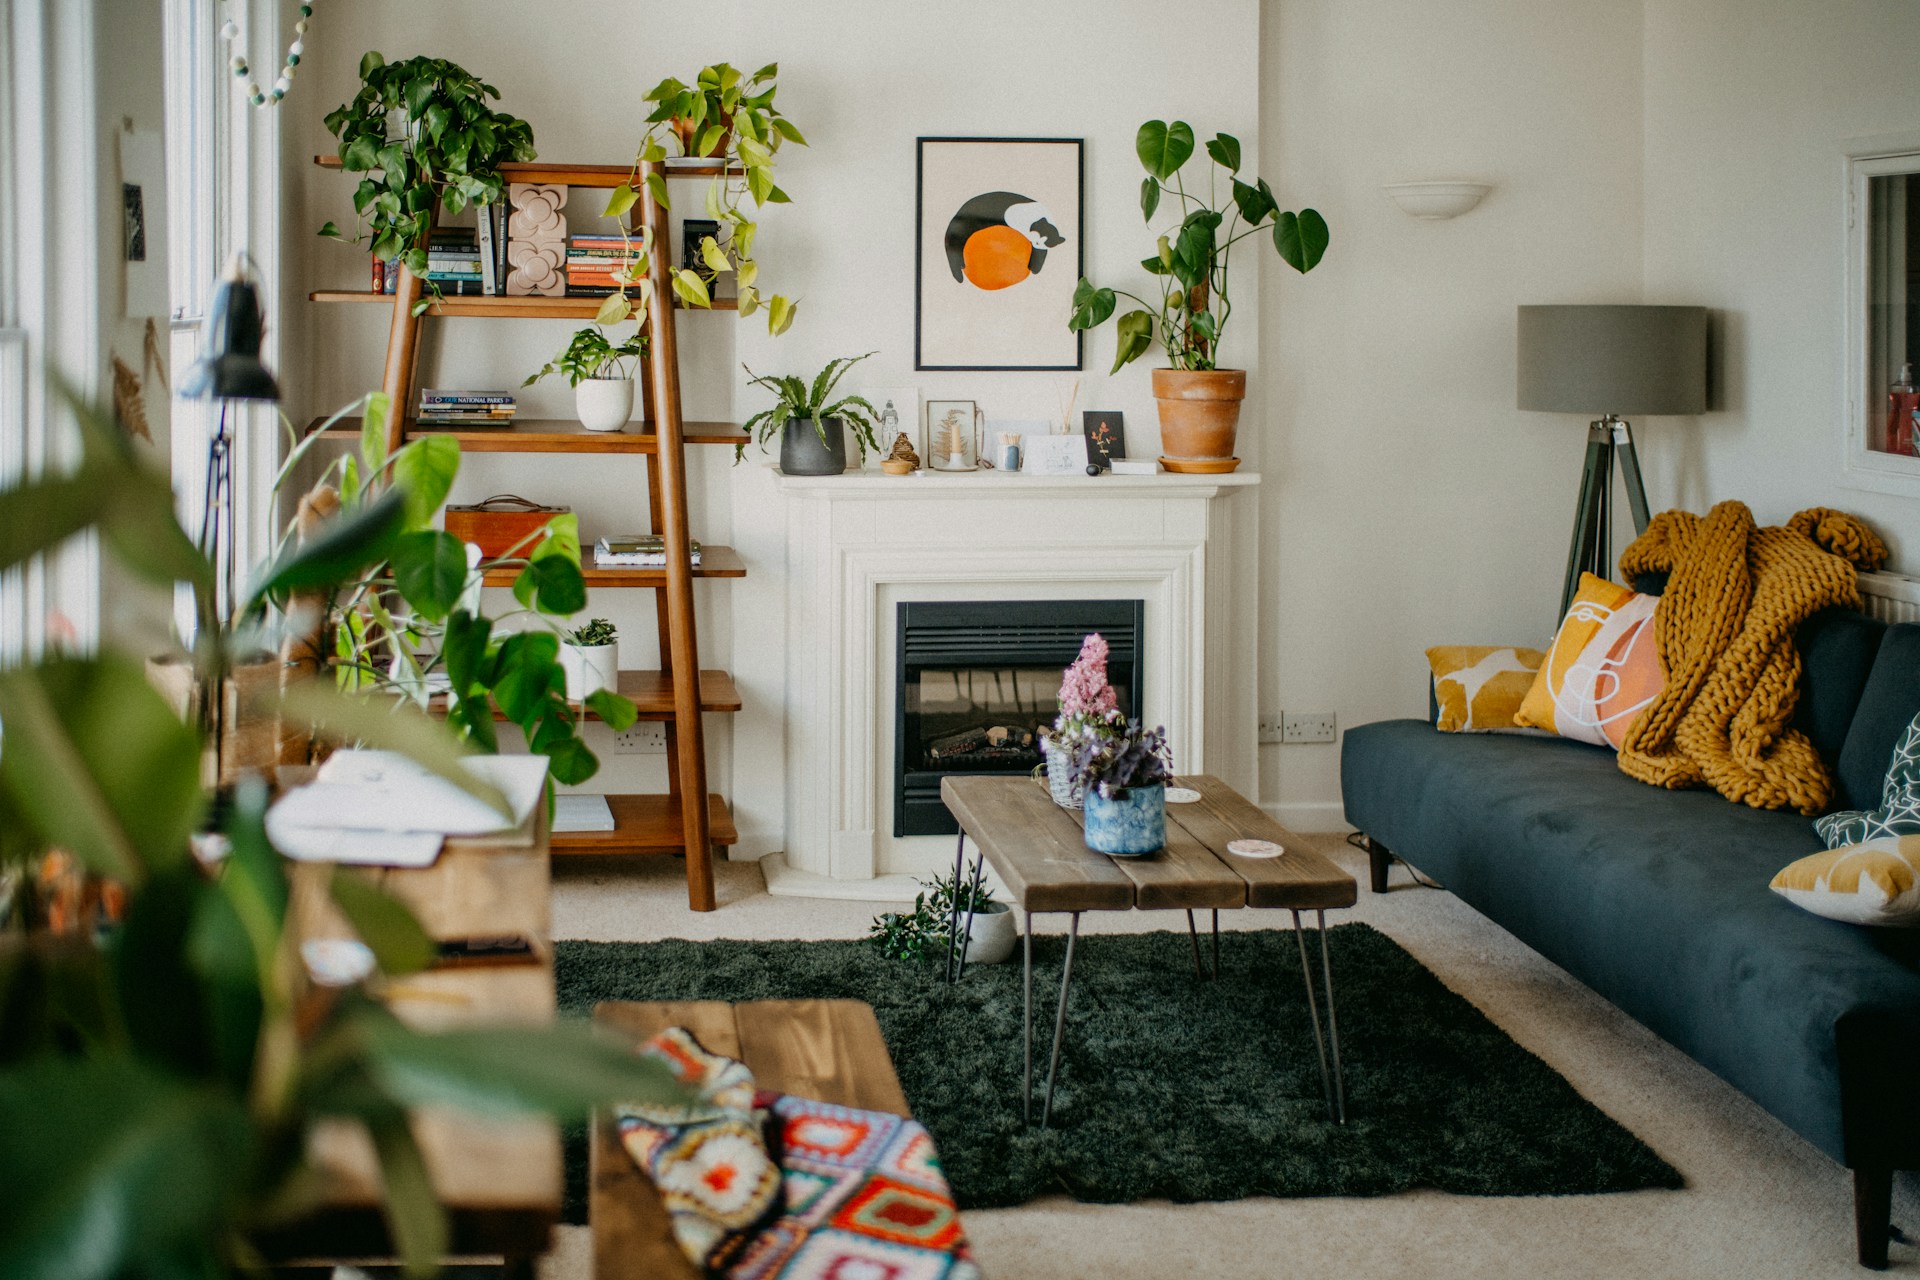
<point x="1862" y="466"/>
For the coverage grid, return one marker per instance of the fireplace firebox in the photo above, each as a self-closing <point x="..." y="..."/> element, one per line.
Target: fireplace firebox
<point x="977" y="680"/>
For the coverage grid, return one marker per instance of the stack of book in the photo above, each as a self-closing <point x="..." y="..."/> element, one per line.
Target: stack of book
<point x="593" y="260"/>
<point x="636" y="551"/>
<point x="465" y="409"/>
<point x="460" y="260"/>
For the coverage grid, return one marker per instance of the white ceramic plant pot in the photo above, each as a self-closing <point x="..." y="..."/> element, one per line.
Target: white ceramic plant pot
<point x="604" y="404"/>
<point x="590" y="668"/>
<point x="991" y="939"/>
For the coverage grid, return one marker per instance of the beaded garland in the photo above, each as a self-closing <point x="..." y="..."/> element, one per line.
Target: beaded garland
<point x="230" y="32"/>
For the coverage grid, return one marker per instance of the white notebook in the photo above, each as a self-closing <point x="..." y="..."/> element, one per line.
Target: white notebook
<point x="582" y="813"/>
<point x="379" y="808"/>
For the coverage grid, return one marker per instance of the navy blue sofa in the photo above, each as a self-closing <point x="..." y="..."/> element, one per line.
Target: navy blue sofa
<point x="1658" y="900"/>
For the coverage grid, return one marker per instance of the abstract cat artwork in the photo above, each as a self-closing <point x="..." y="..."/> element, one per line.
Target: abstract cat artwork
<point x="998" y="253"/>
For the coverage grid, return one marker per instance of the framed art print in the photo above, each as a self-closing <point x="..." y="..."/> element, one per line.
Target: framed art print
<point x="1106" y="437"/>
<point x="1052" y="455"/>
<point x="997" y="253"/>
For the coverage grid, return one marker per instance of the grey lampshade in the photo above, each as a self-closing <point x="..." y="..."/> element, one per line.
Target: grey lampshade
<point x="1626" y="360"/>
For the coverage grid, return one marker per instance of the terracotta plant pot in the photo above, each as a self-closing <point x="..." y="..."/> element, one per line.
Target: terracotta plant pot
<point x="1199" y="417"/>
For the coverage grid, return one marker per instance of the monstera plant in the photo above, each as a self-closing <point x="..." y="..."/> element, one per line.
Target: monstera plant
<point x="163" y="1056"/>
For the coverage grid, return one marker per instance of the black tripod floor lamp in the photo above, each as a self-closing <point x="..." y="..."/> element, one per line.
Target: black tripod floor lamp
<point x="1611" y="360"/>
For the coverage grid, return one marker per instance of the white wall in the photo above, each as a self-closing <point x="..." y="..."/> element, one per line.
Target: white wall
<point x="1408" y="503"/>
<point x="863" y="79"/>
<point x="1748" y="106"/>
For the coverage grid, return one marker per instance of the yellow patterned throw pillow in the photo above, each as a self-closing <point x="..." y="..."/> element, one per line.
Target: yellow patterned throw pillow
<point x="1478" y="687"/>
<point x="1603" y="669"/>
<point x="1874" y="882"/>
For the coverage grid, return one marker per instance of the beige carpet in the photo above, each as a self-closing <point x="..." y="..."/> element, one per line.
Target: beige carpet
<point x="1760" y="1203"/>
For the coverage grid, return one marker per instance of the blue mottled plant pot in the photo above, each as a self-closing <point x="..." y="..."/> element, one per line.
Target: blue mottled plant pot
<point x="1128" y="825"/>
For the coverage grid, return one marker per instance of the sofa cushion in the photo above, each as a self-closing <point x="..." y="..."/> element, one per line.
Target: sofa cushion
<point x="1658" y="900"/>
<point x="1874" y="882"/>
<point x="1837" y="648"/>
<point x="1887" y="705"/>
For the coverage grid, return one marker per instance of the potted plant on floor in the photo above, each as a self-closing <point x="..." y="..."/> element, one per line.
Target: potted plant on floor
<point x="1089" y="708"/>
<point x="423" y="138"/>
<point x="923" y="932"/>
<point x="1199" y="401"/>
<point x="591" y="659"/>
<point x="726" y="120"/>
<point x="1125" y="775"/>
<point x="813" y="437"/>
<point x="602" y="384"/>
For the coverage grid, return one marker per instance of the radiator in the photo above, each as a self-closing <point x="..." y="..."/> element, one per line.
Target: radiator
<point x="1891" y="597"/>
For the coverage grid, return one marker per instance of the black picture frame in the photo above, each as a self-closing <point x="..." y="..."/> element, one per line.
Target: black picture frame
<point x="1106" y="432"/>
<point x="923" y="358"/>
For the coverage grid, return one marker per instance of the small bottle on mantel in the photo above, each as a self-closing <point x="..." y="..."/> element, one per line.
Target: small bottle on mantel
<point x="1903" y="415"/>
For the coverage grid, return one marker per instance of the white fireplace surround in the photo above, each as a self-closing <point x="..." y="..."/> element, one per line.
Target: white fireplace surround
<point x="856" y="546"/>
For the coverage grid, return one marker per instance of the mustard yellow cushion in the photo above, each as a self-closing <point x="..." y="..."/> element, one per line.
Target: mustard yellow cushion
<point x="1603" y="669"/>
<point x="1874" y="882"/>
<point x="1478" y="687"/>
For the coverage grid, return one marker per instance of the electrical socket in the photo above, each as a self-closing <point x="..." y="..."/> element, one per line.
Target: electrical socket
<point x="1272" y="728"/>
<point x="1308" y="726"/>
<point x="645" y="738"/>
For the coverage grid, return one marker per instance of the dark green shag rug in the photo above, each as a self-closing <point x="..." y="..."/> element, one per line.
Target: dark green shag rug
<point x="1171" y="1087"/>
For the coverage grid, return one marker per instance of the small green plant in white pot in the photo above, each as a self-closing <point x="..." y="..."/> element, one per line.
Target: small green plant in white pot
<point x="601" y="375"/>
<point x="591" y="659"/>
<point x="813" y="433"/>
<point x="923" y="932"/>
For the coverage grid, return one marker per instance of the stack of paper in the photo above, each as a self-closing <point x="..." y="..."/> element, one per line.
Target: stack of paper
<point x="582" y="813"/>
<point x="379" y="808"/>
<point x="636" y="551"/>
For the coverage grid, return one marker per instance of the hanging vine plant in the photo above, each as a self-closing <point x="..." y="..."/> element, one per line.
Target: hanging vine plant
<point x="423" y="136"/>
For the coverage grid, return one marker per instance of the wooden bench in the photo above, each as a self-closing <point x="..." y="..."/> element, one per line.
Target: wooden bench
<point x="829" y="1050"/>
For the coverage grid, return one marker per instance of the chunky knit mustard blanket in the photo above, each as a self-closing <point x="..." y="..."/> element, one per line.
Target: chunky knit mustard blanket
<point x="1725" y="630"/>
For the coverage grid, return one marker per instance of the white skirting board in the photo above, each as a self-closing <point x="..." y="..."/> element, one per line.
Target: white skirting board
<point x="785" y="881"/>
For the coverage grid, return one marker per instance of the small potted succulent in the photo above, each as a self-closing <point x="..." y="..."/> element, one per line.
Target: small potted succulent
<point x="813" y="437"/>
<point x="1089" y="708"/>
<point x="1125" y="775"/>
<point x="602" y="384"/>
<point x="1199" y="401"/>
<point x="591" y="659"/>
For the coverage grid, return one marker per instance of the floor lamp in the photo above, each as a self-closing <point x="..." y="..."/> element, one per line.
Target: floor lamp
<point x="1611" y="360"/>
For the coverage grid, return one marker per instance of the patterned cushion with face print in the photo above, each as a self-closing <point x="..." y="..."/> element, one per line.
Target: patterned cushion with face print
<point x="1603" y="670"/>
<point x="1899" y="811"/>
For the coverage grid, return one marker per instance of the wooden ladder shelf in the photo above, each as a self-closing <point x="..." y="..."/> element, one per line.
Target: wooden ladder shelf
<point x="679" y="692"/>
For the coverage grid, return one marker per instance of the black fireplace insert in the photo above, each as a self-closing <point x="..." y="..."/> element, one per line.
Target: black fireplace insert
<point x="977" y="680"/>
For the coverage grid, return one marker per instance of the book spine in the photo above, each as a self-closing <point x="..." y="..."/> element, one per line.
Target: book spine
<point x="485" y="243"/>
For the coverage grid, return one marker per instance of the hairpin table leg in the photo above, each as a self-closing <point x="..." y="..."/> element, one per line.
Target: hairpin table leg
<point x="1193" y="935"/>
<point x="1026" y="1070"/>
<point x="1216" y="944"/>
<point x="973" y="897"/>
<point x="1060" y="1019"/>
<point x="1333" y="1024"/>
<point x="953" y="920"/>
<point x="1313" y="1012"/>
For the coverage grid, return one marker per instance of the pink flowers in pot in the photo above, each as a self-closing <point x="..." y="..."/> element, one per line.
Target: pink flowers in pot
<point x="1088" y="704"/>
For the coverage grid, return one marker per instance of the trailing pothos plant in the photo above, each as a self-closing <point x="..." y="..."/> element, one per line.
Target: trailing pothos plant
<point x="1191" y="259"/>
<point x="588" y="353"/>
<point x="410" y="624"/>
<point x="163" y="1068"/>
<point x="423" y="136"/>
<point x="729" y="118"/>
<point x="796" y="401"/>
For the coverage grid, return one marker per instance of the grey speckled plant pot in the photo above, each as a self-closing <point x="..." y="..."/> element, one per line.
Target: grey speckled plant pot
<point x="803" y="453"/>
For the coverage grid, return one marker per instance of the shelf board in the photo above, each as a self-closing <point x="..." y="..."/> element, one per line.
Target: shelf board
<point x="580" y="175"/>
<point x="554" y="436"/>
<point x="498" y="305"/>
<point x="652" y="692"/>
<point x="715" y="562"/>
<point x="646" y="824"/>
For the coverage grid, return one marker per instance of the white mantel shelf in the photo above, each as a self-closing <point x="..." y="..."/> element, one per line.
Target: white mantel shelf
<point x="857" y="546"/>
<point x="878" y="484"/>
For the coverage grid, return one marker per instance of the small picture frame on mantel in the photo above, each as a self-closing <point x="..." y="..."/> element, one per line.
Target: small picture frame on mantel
<point x="1106" y="434"/>
<point x="952" y="439"/>
<point x="1055" y="455"/>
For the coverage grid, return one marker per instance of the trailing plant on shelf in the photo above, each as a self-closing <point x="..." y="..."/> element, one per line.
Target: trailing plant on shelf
<point x="1191" y="263"/>
<point x="590" y="353"/>
<point x="165" y="1059"/>
<point x="731" y="119"/>
<point x="801" y="408"/>
<point x="926" y="930"/>
<point x="423" y="137"/>
<point x="407" y="620"/>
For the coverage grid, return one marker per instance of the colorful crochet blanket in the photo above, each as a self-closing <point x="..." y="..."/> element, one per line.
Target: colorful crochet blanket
<point x="829" y="1193"/>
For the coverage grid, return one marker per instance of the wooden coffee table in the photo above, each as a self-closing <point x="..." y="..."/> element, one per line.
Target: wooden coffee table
<point x="1040" y="852"/>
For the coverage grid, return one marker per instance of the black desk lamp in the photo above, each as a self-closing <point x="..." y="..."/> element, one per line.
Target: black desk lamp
<point x="229" y="369"/>
<point x="1614" y="360"/>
